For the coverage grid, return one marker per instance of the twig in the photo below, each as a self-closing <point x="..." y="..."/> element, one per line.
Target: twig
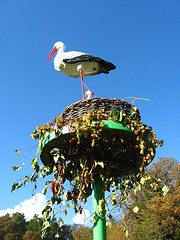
<point x="135" y="98"/>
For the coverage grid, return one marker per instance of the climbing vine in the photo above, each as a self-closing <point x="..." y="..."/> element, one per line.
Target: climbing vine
<point x="120" y="160"/>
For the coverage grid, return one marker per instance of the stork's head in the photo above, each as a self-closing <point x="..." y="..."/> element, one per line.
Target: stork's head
<point x="58" y="46"/>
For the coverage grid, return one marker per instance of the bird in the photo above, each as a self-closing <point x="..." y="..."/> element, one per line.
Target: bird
<point x="78" y="64"/>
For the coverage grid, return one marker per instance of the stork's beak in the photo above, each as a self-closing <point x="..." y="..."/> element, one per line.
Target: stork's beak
<point x="52" y="53"/>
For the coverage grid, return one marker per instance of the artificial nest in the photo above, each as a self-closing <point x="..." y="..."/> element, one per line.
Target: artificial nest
<point x="89" y="146"/>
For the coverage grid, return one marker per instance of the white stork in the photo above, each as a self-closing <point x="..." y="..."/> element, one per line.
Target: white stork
<point x="78" y="64"/>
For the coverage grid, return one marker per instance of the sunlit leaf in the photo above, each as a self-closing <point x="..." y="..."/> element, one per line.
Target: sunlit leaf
<point x="45" y="190"/>
<point x="57" y="235"/>
<point x="108" y="224"/>
<point x="17" y="152"/>
<point x="13" y="187"/>
<point x="16" y="168"/>
<point x="135" y="209"/>
<point x="165" y="190"/>
<point x="142" y="181"/>
<point x="34" y="162"/>
<point x="19" y="185"/>
<point x="60" y="223"/>
<point x="127" y="233"/>
<point x="69" y="205"/>
<point x="26" y="179"/>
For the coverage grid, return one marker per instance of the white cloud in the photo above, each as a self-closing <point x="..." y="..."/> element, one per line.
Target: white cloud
<point x="28" y="207"/>
<point x="81" y="218"/>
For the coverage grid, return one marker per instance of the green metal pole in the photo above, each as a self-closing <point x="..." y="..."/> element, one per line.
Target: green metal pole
<point x="99" y="226"/>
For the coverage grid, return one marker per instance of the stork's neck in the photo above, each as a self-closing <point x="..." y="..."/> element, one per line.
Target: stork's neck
<point x="61" y="50"/>
<point x="58" y="58"/>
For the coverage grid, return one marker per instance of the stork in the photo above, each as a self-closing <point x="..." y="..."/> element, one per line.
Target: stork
<point x="78" y="64"/>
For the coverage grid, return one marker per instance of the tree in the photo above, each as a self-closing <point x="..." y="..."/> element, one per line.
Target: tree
<point x="7" y="230"/>
<point x="116" y="232"/>
<point x="19" y="224"/>
<point x="82" y="232"/>
<point x="149" y="214"/>
<point x="31" y="235"/>
<point x="35" y="224"/>
<point x="34" y="227"/>
<point x="65" y="232"/>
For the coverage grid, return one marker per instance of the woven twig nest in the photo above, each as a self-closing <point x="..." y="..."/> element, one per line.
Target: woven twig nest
<point x="100" y="135"/>
<point x="78" y="109"/>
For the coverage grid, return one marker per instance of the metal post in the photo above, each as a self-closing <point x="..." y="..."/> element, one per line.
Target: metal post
<point x="99" y="226"/>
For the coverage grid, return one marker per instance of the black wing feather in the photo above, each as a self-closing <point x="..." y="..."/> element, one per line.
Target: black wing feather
<point x="104" y="66"/>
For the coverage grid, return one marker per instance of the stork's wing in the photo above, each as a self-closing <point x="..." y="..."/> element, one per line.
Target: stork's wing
<point x="104" y="66"/>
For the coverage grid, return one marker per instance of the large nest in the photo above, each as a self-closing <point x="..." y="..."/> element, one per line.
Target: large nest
<point x="117" y="152"/>
<point x="105" y="105"/>
<point x="96" y="137"/>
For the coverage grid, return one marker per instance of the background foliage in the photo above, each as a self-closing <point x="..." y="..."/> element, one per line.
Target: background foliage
<point x="147" y="214"/>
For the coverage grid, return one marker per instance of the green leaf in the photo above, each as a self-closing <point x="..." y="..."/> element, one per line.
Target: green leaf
<point x="57" y="235"/>
<point x="55" y="169"/>
<point x="121" y="116"/>
<point x="136" y="210"/>
<point x="112" y="113"/>
<point x="118" y="116"/>
<point x="93" y="220"/>
<point x="165" y="190"/>
<point x="127" y="233"/>
<point x="135" y="109"/>
<point x="125" y="120"/>
<point x="60" y="223"/>
<point x="109" y="224"/>
<point x="34" y="162"/>
<point x="138" y="187"/>
<point x="17" y="152"/>
<point x="26" y="179"/>
<point x="16" y="168"/>
<point x="32" y="177"/>
<point x="142" y="181"/>
<point x="44" y="191"/>
<point x="100" y="206"/>
<point x="13" y="187"/>
<point x="101" y="164"/>
<point x="18" y="185"/>
<point x="46" y="224"/>
<point x="69" y="205"/>
<point x="135" y="191"/>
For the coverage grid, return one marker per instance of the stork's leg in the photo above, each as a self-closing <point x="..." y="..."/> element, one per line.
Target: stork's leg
<point x="89" y="90"/>
<point x="79" y="68"/>
<point x="82" y="82"/>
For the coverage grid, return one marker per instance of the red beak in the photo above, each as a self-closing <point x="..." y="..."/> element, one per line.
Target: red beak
<point x="52" y="53"/>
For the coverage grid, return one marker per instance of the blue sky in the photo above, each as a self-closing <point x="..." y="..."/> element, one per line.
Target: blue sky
<point x="140" y="37"/>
